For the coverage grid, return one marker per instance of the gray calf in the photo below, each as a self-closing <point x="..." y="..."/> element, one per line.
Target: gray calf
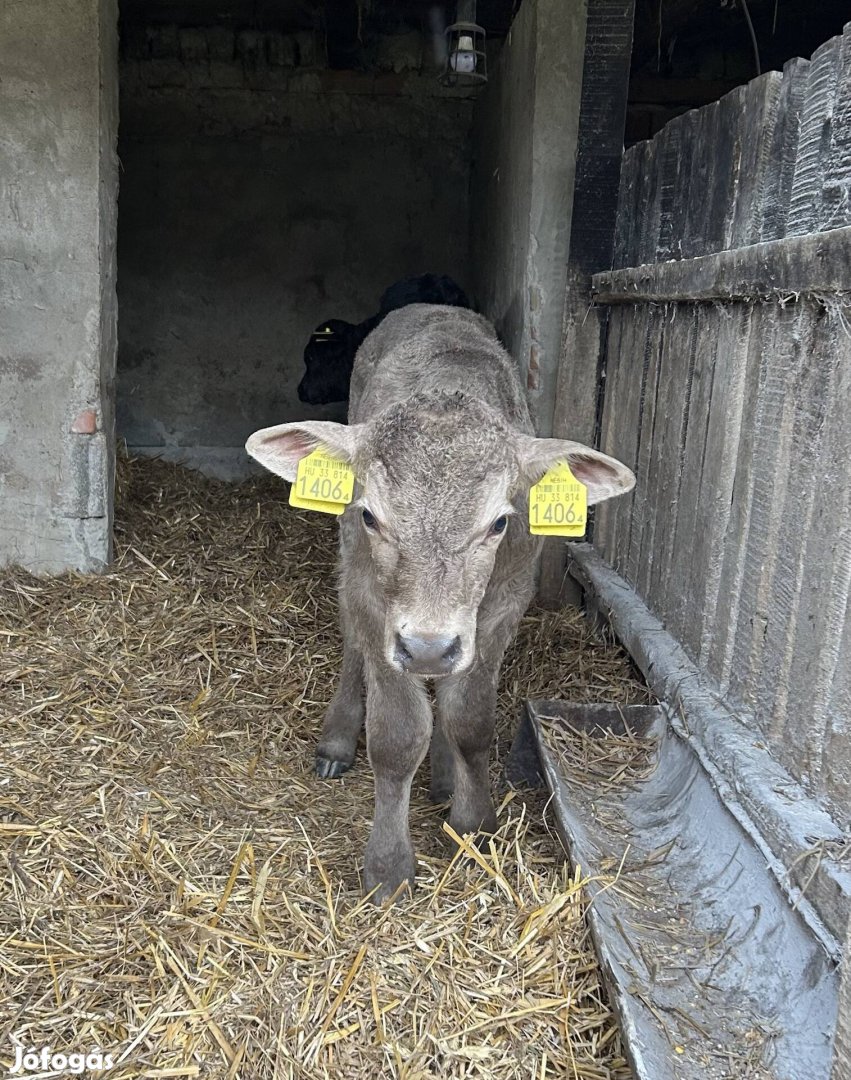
<point x="437" y="564"/>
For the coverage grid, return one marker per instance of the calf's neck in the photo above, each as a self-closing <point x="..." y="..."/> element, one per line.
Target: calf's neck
<point x="437" y="564"/>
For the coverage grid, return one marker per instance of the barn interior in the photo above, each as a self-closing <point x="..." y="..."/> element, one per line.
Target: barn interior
<point x="284" y="161"/>
<point x="283" y="164"/>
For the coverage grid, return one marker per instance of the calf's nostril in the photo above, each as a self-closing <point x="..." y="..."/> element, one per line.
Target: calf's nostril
<point x="402" y="654"/>
<point x="453" y="650"/>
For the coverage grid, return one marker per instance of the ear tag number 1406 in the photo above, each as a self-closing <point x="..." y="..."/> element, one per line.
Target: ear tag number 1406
<point x="322" y="483"/>
<point x="558" y="504"/>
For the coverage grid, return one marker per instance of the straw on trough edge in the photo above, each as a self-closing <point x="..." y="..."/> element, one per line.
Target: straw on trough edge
<point x="180" y="891"/>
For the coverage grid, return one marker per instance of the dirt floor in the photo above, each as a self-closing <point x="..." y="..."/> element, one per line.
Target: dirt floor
<point x="179" y="891"/>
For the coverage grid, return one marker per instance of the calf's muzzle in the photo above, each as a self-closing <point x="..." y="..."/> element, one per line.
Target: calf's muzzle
<point x="427" y="654"/>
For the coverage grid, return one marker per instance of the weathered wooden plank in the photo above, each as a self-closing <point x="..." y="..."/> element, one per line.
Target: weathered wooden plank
<point x="797" y="502"/>
<point x="648" y="240"/>
<point x="623" y="224"/>
<point x="805" y="207"/>
<point x="723" y="181"/>
<point x="718" y="474"/>
<point x="645" y="318"/>
<point x="688" y="146"/>
<point x="680" y="345"/>
<point x="780" y="169"/>
<point x="703" y="160"/>
<point x="772" y="421"/>
<point x="823" y="610"/>
<point x="836" y="207"/>
<point x="836" y="757"/>
<point x="717" y="651"/>
<point x="633" y="376"/>
<point x="579" y="368"/>
<point x="669" y="162"/>
<point x="758" y="119"/>
<point x="684" y="619"/>
<point x="818" y="263"/>
<point x="618" y="433"/>
<point x="630" y="212"/>
<point x="622" y="352"/>
<point x="644" y="529"/>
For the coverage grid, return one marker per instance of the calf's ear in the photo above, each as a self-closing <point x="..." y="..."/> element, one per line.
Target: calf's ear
<point x="279" y="449"/>
<point x="603" y="476"/>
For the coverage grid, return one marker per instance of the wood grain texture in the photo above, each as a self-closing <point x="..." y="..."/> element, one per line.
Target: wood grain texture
<point x="760" y="102"/>
<point x="836" y="205"/>
<point x="645" y="352"/>
<point x="812" y="725"/>
<point x="782" y="359"/>
<point x="680" y="347"/>
<point x="780" y="169"/>
<point x="814" y="137"/>
<point x="618" y="432"/>
<point x="684" y="616"/>
<point x="728" y="382"/>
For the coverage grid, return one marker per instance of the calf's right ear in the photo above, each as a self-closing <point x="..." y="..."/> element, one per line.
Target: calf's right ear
<point x="279" y="449"/>
<point x="604" y="477"/>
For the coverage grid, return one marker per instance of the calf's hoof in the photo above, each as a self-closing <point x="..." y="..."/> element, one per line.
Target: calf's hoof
<point x="389" y="877"/>
<point x="483" y="821"/>
<point x="440" y="792"/>
<point x="328" y="769"/>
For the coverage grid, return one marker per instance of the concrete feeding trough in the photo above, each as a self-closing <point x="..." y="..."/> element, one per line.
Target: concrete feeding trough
<point x="712" y="972"/>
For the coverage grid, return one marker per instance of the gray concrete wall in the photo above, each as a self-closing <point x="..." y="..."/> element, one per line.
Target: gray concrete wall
<point x="525" y="131"/>
<point x="58" y="182"/>
<point x="259" y="197"/>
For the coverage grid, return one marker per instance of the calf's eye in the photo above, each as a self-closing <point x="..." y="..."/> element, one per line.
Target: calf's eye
<point x="369" y="520"/>
<point x="499" y="525"/>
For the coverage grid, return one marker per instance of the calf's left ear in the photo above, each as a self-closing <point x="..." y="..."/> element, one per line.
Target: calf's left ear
<point x="279" y="449"/>
<point x="603" y="476"/>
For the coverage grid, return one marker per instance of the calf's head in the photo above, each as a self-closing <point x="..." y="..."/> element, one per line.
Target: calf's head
<point x="442" y="481"/>
<point x="328" y="360"/>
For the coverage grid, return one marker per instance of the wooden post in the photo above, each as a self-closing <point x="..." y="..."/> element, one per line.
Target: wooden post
<point x="608" y="46"/>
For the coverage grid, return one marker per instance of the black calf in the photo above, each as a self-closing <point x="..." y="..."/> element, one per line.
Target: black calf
<point x="330" y="354"/>
<point x="328" y="360"/>
<point x="424" y="289"/>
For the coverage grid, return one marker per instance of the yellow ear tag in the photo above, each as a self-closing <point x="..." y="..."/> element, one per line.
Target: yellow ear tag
<point x="558" y="504"/>
<point x="322" y="483"/>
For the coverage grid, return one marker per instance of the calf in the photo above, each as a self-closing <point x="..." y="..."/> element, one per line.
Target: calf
<point x="330" y="354"/>
<point x="437" y="564"/>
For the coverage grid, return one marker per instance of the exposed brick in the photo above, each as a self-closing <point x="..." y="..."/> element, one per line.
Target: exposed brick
<point x="86" y="423"/>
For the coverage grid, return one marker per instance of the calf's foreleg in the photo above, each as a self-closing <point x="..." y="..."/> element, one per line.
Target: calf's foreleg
<point x="343" y="719"/>
<point x="466" y="715"/>
<point x="344" y="715"/>
<point x="398" y="728"/>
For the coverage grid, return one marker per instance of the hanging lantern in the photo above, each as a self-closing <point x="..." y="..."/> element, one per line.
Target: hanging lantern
<point x="466" y="59"/>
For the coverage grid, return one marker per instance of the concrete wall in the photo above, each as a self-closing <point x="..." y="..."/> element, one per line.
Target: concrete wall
<point x="58" y="182"/>
<point x="260" y="196"/>
<point x="525" y="131"/>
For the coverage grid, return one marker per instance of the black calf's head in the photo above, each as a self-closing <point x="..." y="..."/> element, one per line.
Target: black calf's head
<point x="328" y="360"/>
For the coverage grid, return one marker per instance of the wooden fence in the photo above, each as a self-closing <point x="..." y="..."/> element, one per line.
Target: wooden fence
<point x="728" y="389"/>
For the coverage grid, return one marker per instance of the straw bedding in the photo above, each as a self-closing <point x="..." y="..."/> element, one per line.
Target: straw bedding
<point x="180" y="891"/>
